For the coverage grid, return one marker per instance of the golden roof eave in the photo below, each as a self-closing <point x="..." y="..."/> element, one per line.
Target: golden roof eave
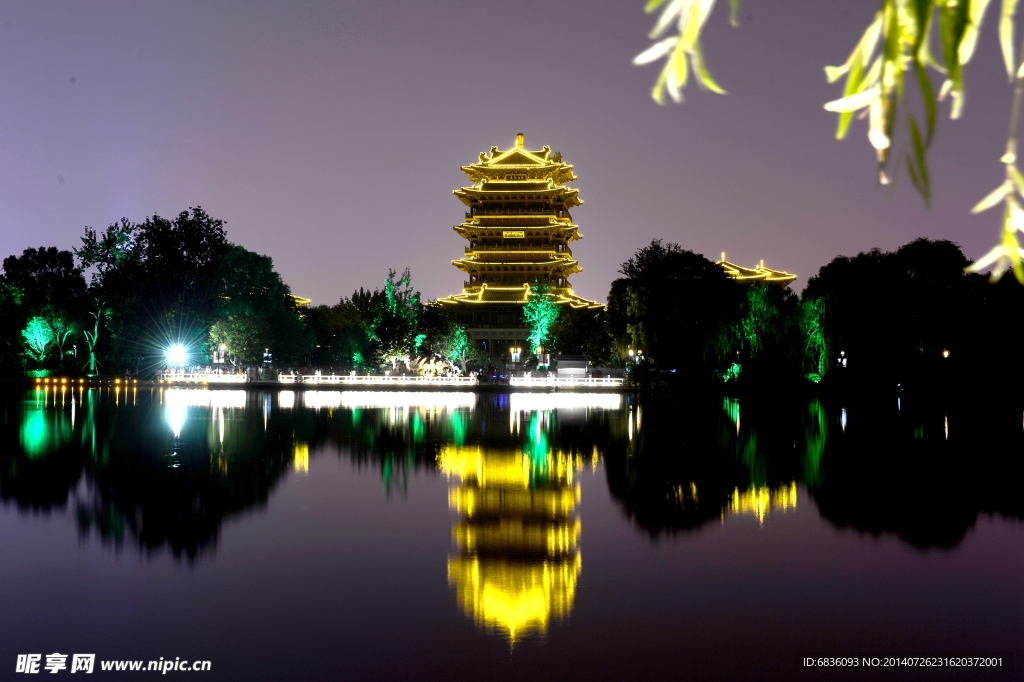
<point x="758" y="273"/>
<point x="472" y="195"/>
<point x="477" y="295"/>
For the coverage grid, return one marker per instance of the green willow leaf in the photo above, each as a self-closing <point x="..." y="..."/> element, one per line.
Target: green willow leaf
<point x="658" y="91"/>
<point x="853" y="102"/>
<point x="928" y="98"/>
<point x="734" y="12"/>
<point x="668" y="15"/>
<point x="969" y="40"/>
<point x="1018" y="179"/>
<point x="698" y="16"/>
<point x="701" y="69"/>
<point x="852" y="85"/>
<point x="653" y="5"/>
<point x="655" y="51"/>
<point x="923" y="183"/>
<point x="918" y="185"/>
<point x="1006" y="34"/>
<point x="865" y="47"/>
<point x="952" y="23"/>
<point x="994" y="197"/>
<point x="924" y="50"/>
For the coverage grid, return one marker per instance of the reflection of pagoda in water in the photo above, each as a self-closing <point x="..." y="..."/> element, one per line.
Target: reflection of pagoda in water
<point x="517" y="560"/>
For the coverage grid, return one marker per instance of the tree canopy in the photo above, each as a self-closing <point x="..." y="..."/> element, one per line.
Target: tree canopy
<point x="675" y="306"/>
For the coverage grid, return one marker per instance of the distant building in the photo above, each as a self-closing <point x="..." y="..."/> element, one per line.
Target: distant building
<point x="758" y="273"/>
<point x="519" y="231"/>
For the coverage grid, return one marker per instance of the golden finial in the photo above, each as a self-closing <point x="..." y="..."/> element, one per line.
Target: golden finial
<point x="520" y="140"/>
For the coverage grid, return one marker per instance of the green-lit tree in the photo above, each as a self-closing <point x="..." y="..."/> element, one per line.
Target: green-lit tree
<point x="443" y="336"/>
<point x="540" y="313"/>
<point x="47" y="285"/>
<point x="459" y="347"/>
<point x="768" y="337"/>
<point x="63" y="328"/>
<point x="38" y="339"/>
<point x="393" y="329"/>
<point x="91" y="339"/>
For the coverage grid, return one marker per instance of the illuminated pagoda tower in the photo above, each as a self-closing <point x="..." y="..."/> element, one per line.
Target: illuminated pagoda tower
<point x="519" y="231"/>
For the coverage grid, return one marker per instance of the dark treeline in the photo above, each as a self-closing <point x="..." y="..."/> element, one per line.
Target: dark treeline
<point x="127" y="294"/>
<point x="908" y="318"/>
<point x="150" y="285"/>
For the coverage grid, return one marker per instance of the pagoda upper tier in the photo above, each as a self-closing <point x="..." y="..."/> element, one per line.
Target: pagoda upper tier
<point x="518" y="227"/>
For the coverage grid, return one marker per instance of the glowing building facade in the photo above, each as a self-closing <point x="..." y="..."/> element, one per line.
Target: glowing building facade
<point x="520" y="233"/>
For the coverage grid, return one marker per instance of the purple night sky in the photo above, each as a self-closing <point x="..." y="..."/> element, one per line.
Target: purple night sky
<point x="329" y="135"/>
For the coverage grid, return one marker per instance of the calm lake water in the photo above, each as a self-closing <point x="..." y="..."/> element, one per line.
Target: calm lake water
<point x="358" y="535"/>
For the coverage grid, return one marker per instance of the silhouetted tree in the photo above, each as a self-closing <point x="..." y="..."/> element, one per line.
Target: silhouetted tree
<point x="676" y="306"/>
<point x="892" y="317"/>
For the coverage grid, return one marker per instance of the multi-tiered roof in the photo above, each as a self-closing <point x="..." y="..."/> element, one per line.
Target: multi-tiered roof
<point x="518" y="227"/>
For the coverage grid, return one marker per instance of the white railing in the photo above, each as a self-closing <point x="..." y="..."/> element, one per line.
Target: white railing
<point x="376" y="380"/>
<point x="201" y="378"/>
<point x="567" y="382"/>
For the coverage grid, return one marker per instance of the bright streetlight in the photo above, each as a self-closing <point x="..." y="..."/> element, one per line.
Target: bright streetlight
<point x="177" y="354"/>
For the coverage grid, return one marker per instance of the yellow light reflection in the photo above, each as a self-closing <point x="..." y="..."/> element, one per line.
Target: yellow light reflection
<point x="759" y="500"/>
<point x="517" y="537"/>
<point x="300" y="459"/>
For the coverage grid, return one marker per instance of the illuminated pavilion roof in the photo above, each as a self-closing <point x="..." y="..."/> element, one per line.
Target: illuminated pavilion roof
<point x="758" y="273"/>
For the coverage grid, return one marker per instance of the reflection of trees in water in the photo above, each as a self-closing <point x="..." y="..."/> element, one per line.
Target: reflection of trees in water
<point x="139" y="468"/>
<point x="895" y="471"/>
<point x="873" y="469"/>
<point x="683" y="462"/>
<point x="115" y="456"/>
<point x="673" y="464"/>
